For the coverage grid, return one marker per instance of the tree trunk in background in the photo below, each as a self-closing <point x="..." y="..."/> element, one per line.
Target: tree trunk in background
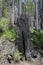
<point x="37" y="16"/>
<point x="12" y="13"/>
<point x="20" y="7"/>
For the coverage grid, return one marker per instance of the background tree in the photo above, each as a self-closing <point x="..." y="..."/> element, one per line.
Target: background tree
<point x="20" y="7"/>
<point x="12" y="13"/>
<point x="30" y="9"/>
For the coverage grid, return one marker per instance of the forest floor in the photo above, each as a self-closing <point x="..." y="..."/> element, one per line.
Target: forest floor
<point x="36" y="62"/>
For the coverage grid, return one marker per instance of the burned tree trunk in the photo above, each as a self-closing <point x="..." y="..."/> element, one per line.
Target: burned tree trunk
<point x="23" y="39"/>
<point x="23" y="36"/>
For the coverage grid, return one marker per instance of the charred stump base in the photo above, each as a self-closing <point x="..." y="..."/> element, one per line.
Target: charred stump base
<point x="23" y="37"/>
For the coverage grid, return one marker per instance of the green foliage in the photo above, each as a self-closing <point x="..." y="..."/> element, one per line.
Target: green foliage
<point x="9" y="34"/>
<point x="41" y="51"/>
<point x="41" y="32"/>
<point x="37" y="38"/>
<point x="4" y="8"/>
<point x="17" y="56"/>
<point x="0" y="34"/>
<point x="32" y="30"/>
<point x="0" y="57"/>
<point x="4" y="23"/>
<point x="30" y="7"/>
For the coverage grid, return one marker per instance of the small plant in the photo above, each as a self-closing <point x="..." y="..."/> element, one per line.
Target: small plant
<point x="32" y="30"/>
<point x="17" y="56"/>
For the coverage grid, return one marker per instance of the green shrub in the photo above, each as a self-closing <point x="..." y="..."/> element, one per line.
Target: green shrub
<point x="40" y="50"/>
<point x="37" y="38"/>
<point x="32" y="29"/>
<point x="4" y="9"/>
<point x="0" y="33"/>
<point x="17" y="56"/>
<point x="9" y="34"/>
<point x="4" y="23"/>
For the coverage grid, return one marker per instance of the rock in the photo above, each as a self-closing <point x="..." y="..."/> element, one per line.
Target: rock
<point x="9" y="58"/>
<point x="34" y="54"/>
<point x="28" y="56"/>
<point x="6" y="48"/>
